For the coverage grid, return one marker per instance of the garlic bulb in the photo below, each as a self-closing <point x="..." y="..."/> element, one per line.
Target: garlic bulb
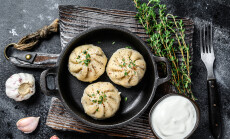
<point x="28" y="124"/>
<point x="20" y="86"/>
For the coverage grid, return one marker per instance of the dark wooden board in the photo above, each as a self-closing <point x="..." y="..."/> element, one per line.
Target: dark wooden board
<point x="74" y="20"/>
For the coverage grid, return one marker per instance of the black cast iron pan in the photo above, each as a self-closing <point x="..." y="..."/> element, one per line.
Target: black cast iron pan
<point x="70" y="90"/>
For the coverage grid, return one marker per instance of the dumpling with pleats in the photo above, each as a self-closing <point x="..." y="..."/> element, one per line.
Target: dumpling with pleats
<point x="126" y="67"/>
<point x="101" y="100"/>
<point x="87" y="62"/>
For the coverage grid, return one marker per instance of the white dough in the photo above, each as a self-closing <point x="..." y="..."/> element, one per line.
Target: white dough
<point x="126" y="67"/>
<point x="91" y="71"/>
<point x="101" y="100"/>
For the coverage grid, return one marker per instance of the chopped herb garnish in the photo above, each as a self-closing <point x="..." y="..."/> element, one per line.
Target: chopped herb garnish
<point x="93" y="94"/>
<point x="126" y="98"/>
<point x="124" y="64"/>
<point x="98" y="92"/>
<point x="98" y="42"/>
<point x="97" y="109"/>
<point x="123" y="59"/>
<point x="87" y="61"/>
<point x="89" y="95"/>
<point x="78" y="57"/>
<point x="113" y="43"/>
<point x="129" y="66"/>
<point x="133" y="62"/>
<point x="79" y="61"/>
<point x="94" y="101"/>
<point x="121" y="66"/>
<point x="126" y="73"/>
<point x="129" y="47"/>
<point x="105" y="96"/>
<point x="135" y="72"/>
<point x="87" y="56"/>
<point x="101" y="98"/>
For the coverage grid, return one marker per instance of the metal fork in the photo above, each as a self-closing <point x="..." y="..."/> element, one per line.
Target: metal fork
<point x="208" y="57"/>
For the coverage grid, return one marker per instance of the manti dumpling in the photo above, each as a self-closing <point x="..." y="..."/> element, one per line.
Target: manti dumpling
<point x="126" y="67"/>
<point x="101" y="100"/>
<point x="87" y="62"/>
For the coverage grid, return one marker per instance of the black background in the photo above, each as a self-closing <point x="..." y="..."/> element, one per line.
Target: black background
<point x="26" y="16"/>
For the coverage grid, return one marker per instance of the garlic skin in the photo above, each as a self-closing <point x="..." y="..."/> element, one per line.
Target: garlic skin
<point x="28" y="124"/>
<point x="20" y="86"/>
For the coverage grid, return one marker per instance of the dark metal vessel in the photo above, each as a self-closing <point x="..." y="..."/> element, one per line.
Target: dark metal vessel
<point x="70" y="90"/>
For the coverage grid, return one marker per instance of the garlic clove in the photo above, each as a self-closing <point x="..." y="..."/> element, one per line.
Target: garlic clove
<point x="54" y="137"/>
<point x="28" y="124"/>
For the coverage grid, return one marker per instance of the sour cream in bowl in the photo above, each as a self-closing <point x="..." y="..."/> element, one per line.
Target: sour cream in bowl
<point x="174" y="117"/>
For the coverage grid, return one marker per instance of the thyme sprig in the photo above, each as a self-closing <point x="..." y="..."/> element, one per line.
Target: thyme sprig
<point x="164" y="32"/>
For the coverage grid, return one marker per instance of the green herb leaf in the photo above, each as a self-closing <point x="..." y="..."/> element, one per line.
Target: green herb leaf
<point x="94" y="101"/>
<point x="126" y="73"/>
<point x="129" y="47"/>
<point x="97" y="109"/>
<point x="113" y="43"/>
<point x="163" y="30"/>
<point x="126" y="98"/>
<point x="93" y="94"/>
<point x="101" y="98"/>
<point x="87" y="61"/>
<point x="87" y="56"/>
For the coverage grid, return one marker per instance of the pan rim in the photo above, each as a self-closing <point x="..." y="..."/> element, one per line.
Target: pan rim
<point x="126" y="32"/>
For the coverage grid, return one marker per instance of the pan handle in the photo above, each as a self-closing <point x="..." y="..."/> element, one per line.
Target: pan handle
<point x="43" y="82"/>
<point x="168" y="68"/>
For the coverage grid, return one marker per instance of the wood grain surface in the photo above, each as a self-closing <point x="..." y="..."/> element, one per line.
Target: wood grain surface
<point x="74" y="20"/>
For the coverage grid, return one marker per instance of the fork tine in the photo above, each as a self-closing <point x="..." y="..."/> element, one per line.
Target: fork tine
<point x="204" y="39"/>
<point x="208" y="38"/>
<point x="211" y="41"/>
<point x="201" y="42"/>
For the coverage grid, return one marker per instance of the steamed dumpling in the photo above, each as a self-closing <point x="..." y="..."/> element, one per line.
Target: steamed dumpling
<point x="126" y="67"/>
<point x="101" y="100"/>
<point x="87" y="62"/>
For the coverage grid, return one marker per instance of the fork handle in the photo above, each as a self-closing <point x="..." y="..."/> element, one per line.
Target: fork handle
<point x="214" y="109"/>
